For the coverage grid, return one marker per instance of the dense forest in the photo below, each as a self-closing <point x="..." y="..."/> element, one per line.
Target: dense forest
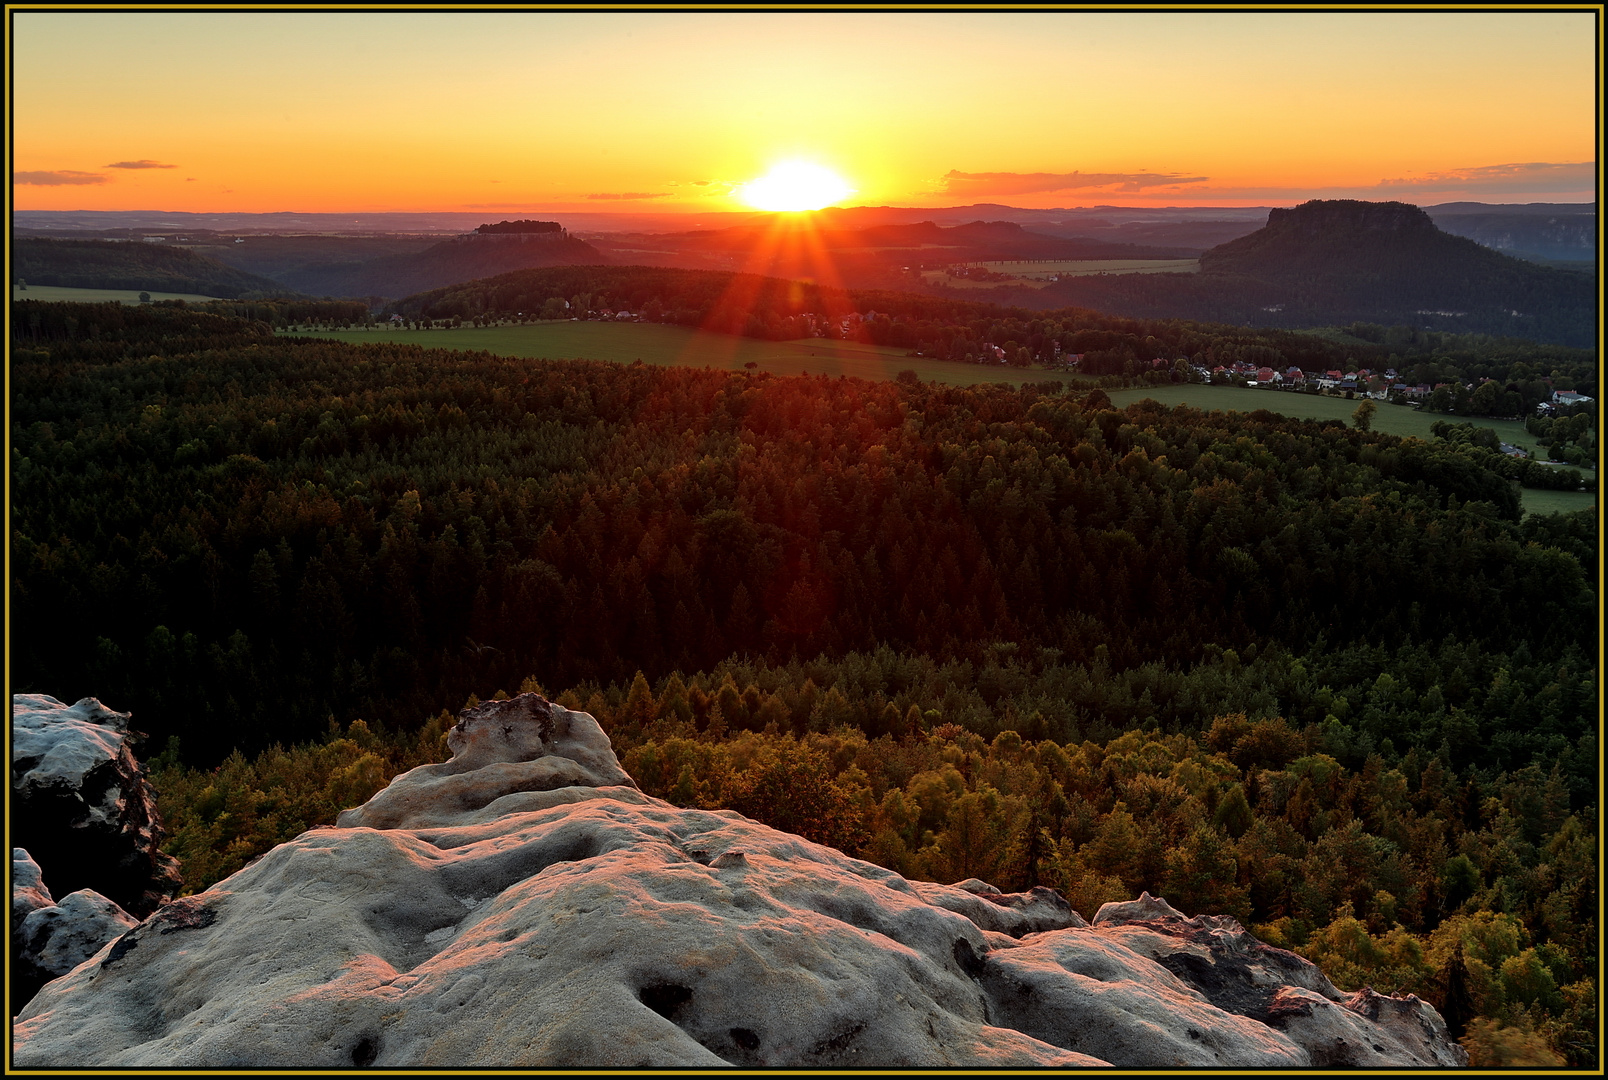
<point x="380" y="528"/>
<point x="1323" y="678"/>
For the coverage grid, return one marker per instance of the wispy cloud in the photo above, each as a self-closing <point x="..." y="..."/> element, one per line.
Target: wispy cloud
<point x="1534" y="176"/>
<point x="143" y="163"/>
<point x="617" y="195"/>
<point x="56" y="177"/>
<point x="956" y="182"/>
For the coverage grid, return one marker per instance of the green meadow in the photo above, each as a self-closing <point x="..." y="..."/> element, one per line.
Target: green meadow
<point x="1392" y="419"/>
<point x="62" y="294"/>
<point x="678" y="346"/>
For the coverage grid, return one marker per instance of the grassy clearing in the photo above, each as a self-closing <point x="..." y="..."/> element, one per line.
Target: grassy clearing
<point x="1392" y="419"/>
<point x="1537" y="501"/>
<point x="677" y="346"/>
<point x="62" y="294"/>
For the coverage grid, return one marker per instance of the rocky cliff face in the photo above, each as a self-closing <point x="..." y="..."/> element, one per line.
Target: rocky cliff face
<point x="521" y="907"/>
<point x="1339" y="236"/>
<point x="81" y="805"/>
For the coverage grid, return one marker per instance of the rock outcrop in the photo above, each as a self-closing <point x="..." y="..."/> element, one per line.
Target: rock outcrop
<point x="50" y="938"/>
<point x="1218" y="958"/>
<point x="81" y="804"/>
<point x="590" y="925"/>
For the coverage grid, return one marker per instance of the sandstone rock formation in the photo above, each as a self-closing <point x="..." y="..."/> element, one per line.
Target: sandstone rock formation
<point x="470" y="918"/>
<point x="81" y="804"/>
<point x="49" y="939"/>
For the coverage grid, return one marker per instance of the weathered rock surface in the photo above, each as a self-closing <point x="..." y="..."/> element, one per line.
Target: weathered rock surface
<point x="594" y="926"/>
<point x="81" y="804"/>
<point x="1013" y="914"/>
<point x="1225" y="964"/>
<point x="499" y="748"/>
<point x="28" y="891"/>
<point x="49" y="939"/>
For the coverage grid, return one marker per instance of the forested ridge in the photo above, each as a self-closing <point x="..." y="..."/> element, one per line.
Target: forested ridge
<point x="109" y="264"/>
<point x="242" y="537"/>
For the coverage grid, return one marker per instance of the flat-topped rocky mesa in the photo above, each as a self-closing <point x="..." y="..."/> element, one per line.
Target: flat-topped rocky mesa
<point x="524" y="905"/>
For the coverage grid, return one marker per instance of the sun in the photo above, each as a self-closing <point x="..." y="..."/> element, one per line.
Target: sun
<point x="795" y="185"/>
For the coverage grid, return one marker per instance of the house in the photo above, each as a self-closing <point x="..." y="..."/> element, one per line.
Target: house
<point x="1569" y="397"/>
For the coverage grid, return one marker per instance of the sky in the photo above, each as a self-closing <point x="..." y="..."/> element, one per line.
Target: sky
<point x="509" y="111"/>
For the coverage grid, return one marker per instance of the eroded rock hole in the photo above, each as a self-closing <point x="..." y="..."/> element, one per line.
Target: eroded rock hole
<point x="745" y="1038"/>
<point x="364" y="1053"/>
<point x="665" y="998"/>
<point x="967" y="958"/>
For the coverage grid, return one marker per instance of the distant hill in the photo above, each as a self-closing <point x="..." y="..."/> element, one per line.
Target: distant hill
<point x="445" y="263"/>
<point x="110" y="264"/>
<point x="1546" y="231"/>
<point x="1337" y="261"/>
<point x="973" y="241"/>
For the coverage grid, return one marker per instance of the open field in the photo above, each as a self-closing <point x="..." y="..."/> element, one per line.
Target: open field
<point x="1392" y="419"/>
<point x="60" y="294"/>
<point x="1038" y="273"/>
<point x="672" y="346"/>
<point x="1084" y="267"/>
<point x="1537" y="501"/>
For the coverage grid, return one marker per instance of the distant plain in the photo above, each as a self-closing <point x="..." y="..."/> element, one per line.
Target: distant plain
<point x="678" y="346"/>
<point x="1038" y="273"/>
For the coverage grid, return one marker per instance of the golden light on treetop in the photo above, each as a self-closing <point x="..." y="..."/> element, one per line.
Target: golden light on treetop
<point x="795" y="185"/>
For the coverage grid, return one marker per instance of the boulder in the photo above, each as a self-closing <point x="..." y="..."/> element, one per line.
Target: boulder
<point x="490" y="922"/>
<point x="499" y="748"/>
<point x="49" y="939"/>
<point x="81" y="804"/>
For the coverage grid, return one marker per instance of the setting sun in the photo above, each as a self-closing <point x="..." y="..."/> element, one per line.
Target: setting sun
<point x="795" y="185"/>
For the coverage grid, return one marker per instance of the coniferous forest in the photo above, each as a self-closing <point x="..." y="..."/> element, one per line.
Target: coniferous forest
<point x="1326" y="680"/>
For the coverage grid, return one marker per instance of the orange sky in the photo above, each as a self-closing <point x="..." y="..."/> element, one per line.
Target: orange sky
<point x="624" y="111"/>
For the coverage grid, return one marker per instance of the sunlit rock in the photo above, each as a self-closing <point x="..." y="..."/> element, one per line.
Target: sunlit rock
<point x="1237" y="973"/>
<point x="28" y="890"/>
<point x="499" y="748"/>
<point x="1013" y="914"/>
<point x="470" y="917"/>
